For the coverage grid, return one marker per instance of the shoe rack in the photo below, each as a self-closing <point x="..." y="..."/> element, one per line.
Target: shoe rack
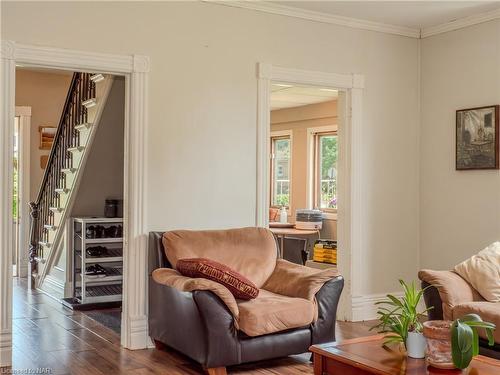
<point x="97" y="260"/>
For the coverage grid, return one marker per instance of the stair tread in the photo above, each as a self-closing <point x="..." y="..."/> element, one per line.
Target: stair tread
<point x="97" y="77"/>
<point x="76" y="148"/>
<point x="83" y="125"/>
<point x="89" y="102"/>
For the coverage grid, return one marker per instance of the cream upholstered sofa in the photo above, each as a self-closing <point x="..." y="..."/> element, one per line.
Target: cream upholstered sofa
<point x="296" y="305"/>
<point x="451" y="297"/>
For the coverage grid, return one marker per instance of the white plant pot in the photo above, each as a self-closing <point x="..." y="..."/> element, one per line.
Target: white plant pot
<point x="415" y="345"/>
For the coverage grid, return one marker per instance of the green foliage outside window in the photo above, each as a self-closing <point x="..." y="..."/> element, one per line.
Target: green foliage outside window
<point x="282" y="200"/>
<point x="329" y="171"/>
<point x="15" y="192"/>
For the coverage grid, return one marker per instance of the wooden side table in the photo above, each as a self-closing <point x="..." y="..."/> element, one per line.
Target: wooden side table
<point x="366" y="355"/>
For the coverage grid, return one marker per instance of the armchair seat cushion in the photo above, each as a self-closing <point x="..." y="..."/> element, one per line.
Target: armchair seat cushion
<point x="488" y="311"/>
<point x="270" y="313"/>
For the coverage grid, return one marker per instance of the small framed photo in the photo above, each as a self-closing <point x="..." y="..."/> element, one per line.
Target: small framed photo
<point x="47" y="135"/>
<point x="477" y="138"/>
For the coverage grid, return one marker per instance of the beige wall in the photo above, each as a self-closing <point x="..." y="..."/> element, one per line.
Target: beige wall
<point x="103" y="174"/>
<point x="460" y="210"/>
<point x="202" y="110"/>
<point x="45" y="93"/>
<point x="298" y="120"/>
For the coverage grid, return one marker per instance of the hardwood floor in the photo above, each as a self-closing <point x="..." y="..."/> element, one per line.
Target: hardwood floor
<point x="57" y="340"/>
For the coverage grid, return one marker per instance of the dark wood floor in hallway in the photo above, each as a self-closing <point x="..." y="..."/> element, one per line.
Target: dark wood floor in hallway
<point x="49" y="336"/>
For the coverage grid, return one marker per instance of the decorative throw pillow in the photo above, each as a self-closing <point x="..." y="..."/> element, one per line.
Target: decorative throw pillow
<point x="482" y="271"/>
<point x="237" y="284"/>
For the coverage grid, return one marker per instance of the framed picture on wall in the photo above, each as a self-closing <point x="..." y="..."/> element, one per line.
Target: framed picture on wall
<point x="477" y="138"/>
<point x="43" y="161"/>
<point x="47" y="135"/>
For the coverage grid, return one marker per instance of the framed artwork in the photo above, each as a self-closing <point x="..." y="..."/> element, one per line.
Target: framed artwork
<point x="47" y="135"/>
<point x="477" y="138"/>
<point x="43" y="161"/>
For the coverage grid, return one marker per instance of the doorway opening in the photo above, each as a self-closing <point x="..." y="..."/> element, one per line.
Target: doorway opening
<point x="21" y="190"/>
<point x="75" y="164"/>
<point x="327" y="187"/>
<point x="303" y="172"/>
<point x="135" y="69"/>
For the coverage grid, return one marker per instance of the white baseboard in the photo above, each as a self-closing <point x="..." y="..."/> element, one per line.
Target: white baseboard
<point x="365" y="308"/>
<point x="5" y="348"/>
<point x="138" y="328"/>
<point x="23" y="271"/>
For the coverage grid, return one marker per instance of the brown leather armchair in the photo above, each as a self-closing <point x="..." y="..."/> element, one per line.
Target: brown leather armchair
<point x="200" y="325"/>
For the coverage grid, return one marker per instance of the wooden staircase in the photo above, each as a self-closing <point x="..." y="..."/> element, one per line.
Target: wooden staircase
<point x="82" y="110"/>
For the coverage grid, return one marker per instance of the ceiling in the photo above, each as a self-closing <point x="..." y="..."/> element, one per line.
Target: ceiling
<point x="284" y="95"/>
<point x="413" y="14"/>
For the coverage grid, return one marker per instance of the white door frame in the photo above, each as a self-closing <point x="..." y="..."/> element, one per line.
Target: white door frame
<point x="24" y="114"/>
<point x="135" y="68"/>
<point x="350" y="208"/>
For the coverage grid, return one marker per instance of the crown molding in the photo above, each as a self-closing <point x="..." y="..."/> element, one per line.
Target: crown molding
<point x="460" y="23"/>
<point x="290" y="11"/>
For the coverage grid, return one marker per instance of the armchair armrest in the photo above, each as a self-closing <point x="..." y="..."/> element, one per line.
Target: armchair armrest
<point x="174" y="279"/>
<point x="453" y="290"/>
<point x="293" y="280"/>
<point x="197" y="323"/>
<point x="327" y="299"/>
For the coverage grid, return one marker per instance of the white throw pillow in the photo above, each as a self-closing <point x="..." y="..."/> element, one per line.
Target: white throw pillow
<point x="482" y="271"/>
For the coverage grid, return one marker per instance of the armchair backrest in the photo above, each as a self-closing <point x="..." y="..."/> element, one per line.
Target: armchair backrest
<point x="250" y="251"/>
<point x="156" y="253"/>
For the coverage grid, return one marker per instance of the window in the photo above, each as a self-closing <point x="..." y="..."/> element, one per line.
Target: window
<point x="280" y="171"/>
<point x="15" y="192"/>
<point x="325" y="171"/>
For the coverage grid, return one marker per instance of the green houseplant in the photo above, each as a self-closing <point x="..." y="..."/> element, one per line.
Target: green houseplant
<point x="400" y="320"/>
<point x="465" y="340"/>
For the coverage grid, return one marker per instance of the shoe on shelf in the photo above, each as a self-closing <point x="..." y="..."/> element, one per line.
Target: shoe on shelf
<point x="99" y="231"/>
<point x="111" y="231"/>
<point x="90" y="233"/>
<point x="95" y="271"/>
<point x="96" y="251"/>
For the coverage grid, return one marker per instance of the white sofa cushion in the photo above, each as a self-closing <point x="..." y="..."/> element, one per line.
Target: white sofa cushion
<point x="482" y="271"/>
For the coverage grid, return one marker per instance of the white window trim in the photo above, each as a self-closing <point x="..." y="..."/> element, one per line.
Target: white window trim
<point x="311" y="132"/>
<point x="284" y="133"/>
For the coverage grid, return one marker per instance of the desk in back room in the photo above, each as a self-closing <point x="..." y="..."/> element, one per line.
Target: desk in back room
<point x="281" y="233"/>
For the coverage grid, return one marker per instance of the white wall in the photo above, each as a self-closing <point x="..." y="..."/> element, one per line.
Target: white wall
<point x="103" y="174"/>
<point x="202" y="102"/>
<point x="460" y="210"/>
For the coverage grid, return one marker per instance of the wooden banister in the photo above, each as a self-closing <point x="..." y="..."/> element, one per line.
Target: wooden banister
<point x="81" y="88"/>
